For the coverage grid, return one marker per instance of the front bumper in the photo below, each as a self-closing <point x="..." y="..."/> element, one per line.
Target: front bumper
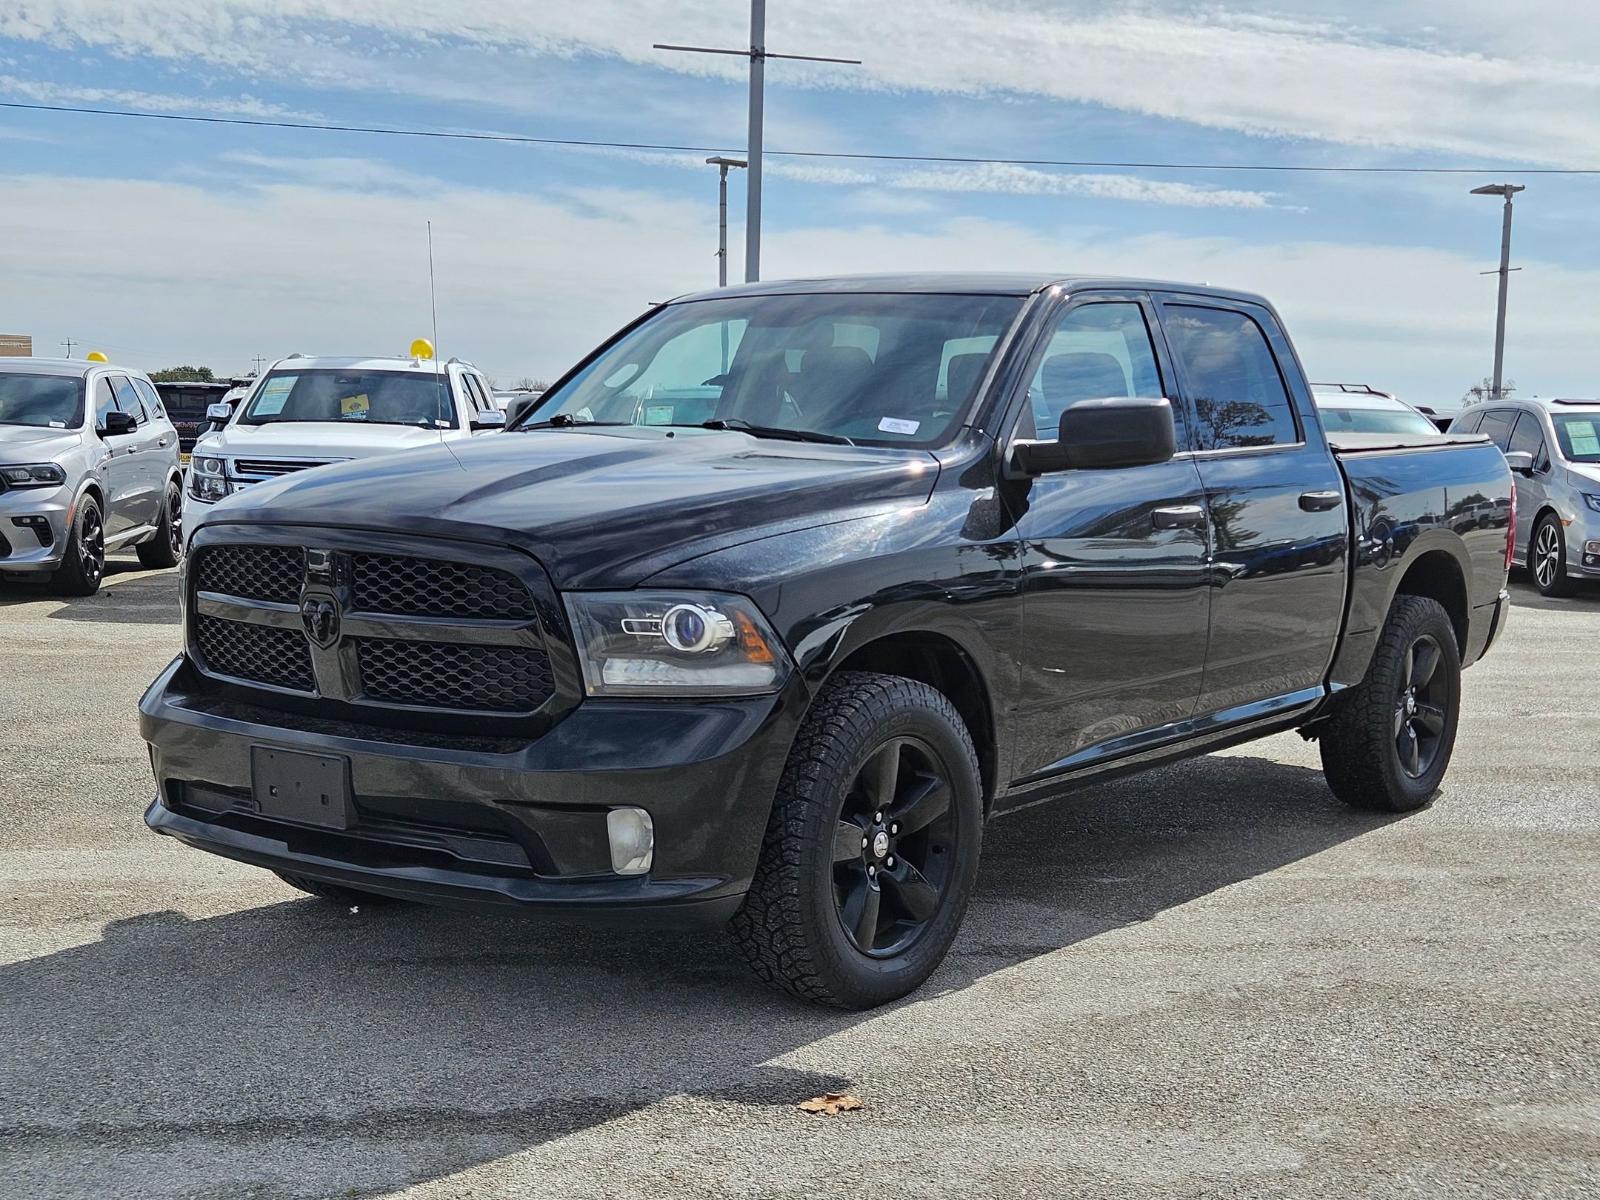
<point x="27" y="554"/>
<point x="472" y="821"/>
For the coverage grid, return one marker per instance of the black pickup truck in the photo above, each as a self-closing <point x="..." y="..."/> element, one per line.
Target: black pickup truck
<point x="781" y="593"/>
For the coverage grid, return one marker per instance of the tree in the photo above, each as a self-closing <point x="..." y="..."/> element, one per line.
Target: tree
<point x="184" y="374"/>
<point x="529" y="384"/>
<point x="1484" y="390"/>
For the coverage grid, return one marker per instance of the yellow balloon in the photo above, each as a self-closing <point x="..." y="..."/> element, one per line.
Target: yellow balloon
<point x="96" y="356"/>
<point x="422" y="348"/>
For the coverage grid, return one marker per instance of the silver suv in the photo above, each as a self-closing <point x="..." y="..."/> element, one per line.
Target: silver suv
<point x="1558" y="485"/>
<point x="88" y="464"/>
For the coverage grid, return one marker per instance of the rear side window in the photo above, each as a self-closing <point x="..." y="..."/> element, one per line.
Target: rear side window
<point x="1529" y="437"/>
<point x="1227" y="365"/>
<point x="147" y="393"/>
<point x="1498" y="426"/>
<point x="1467" y="423"/>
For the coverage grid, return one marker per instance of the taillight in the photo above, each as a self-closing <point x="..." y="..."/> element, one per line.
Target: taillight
<point x="1511" y="527"/>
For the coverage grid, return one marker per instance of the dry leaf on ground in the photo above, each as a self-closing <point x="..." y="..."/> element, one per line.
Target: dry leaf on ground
<point x="831" y="1103"/>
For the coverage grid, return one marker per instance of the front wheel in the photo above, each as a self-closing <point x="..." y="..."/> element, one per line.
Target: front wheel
<point x="1547" y="557"/>
<point x="872" y="847"/>
<point x="84" y="563"/>
<point x="1389" y="742"/>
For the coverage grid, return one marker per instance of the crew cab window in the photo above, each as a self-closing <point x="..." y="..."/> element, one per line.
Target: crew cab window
<point x="1096" y="352"/>
<point x="128" y="399"/>
<point x="1529" y="437"/>
<point x="1227" y="366"/>
<point x="147" y="393"/>
<point x="1498" y="426"/>
<point x="883" y="369"/>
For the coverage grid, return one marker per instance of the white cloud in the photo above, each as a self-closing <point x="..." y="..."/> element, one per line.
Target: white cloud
<point x="527" y="283"/>
<point x="1476" y="82"/>
<point x="41" y="92"/>
<point x="1006" y="179"/>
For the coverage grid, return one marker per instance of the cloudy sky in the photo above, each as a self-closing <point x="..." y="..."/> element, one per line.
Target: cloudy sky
<point x="166" y="242"/>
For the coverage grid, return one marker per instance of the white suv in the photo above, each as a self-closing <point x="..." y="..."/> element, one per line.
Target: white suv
<point x="308" y="412"/>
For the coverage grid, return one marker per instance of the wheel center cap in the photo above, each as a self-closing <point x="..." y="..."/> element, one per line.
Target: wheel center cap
<point x="880" y="844"/>
<point x="1411" y="704"/>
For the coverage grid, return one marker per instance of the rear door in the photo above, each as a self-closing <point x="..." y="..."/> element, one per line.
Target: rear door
<point x="1276" y="503"/>
<point x="1114" y="561"/>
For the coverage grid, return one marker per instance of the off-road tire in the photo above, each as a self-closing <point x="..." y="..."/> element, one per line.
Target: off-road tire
<point x="1360" y="757"/>
<point x="166" y="547"/>
<point x="332" y="892"/>
<point x="789" y="929"/>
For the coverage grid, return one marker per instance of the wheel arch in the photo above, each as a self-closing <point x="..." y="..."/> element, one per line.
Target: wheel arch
<point x="1437" y="575"/>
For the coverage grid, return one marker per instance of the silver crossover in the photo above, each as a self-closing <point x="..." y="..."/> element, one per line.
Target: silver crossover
<point x="88" y="464"/>
<point x="1558" y="485"/>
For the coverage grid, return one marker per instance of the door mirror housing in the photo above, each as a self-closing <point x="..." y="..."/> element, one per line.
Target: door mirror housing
<point x="489" y="418"/>
<point x="1520" y="461"/>
<point x="118" y="424"/>
<point x="219" y="414"/>
<point x="1121" y="431"/>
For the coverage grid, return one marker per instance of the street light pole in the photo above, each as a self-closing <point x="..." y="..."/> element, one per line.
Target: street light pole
<point x="758" y="55"/>
<point x="722" y="165"/>
<point x="1507" y="190"/>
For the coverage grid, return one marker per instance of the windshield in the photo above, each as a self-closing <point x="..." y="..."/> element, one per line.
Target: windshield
<point x="879" y="369"/>
<point x="47" y="401"/>
<point x="1579" y="436"/>
<point x="353" y="397"/>
<point x="1338" y="418"/>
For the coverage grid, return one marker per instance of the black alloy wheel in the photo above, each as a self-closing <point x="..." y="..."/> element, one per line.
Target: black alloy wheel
<point x="893" y="848"/>
<point x="1419" y="714"/>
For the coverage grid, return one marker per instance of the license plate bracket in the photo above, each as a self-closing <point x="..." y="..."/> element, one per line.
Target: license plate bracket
<point x="310" y="789"/>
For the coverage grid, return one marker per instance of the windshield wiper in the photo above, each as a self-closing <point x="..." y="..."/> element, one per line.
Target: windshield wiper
<point x="775" y="431"/>
<point x="565" y="421"/>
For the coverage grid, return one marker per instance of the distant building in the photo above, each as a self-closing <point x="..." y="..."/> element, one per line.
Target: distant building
<point x="16" y="345"/>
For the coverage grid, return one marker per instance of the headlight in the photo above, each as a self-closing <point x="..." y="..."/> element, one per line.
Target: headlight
<point x="1592" y="501"/>
<point x="33" y="475"/>
<point x="674" y="644"/>
<point x="206" y="478"/>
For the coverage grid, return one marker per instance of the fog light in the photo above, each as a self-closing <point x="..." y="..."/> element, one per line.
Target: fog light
<point x="40" y="526"/>
<point x="633" y="840"/>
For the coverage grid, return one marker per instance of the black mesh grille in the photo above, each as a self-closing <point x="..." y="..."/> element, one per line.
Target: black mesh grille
<point x="252" y="572"/>
<point x="425" y="587"/>
<point x="490" y="678"/>
<point x="258" y="653"/>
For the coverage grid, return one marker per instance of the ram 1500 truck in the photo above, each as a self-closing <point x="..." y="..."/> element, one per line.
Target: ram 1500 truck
<point x="782" y="592"/>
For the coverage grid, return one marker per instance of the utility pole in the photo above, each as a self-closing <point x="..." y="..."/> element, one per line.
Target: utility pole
<point x="1507" y="190"/>
<point x="258" y="360"/>
<point x="722" y="165"/>
<point x="758" y="55"/>
<point x="69" y="343"/>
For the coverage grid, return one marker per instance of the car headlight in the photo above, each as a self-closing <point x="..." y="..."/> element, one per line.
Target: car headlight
<point x="33" y="475"/>
<point x="207" y="478"/>
<point x="1592" y="501"/>
<point x="659" y="643"/>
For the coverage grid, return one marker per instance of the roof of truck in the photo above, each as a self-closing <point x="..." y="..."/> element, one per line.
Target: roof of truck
<point x="973" y="284"/>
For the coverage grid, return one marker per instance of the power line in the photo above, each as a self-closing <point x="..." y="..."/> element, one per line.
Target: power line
<point x="964" y="160"/>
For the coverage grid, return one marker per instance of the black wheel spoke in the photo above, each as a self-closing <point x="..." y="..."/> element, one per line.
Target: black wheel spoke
<point x="861" y="910"/>
<point x="1431" y="718"/>
<point x="910" y="891"/>
<point x="1410" y="752"/>
<point x="883" y="775"/>
<point x="1424" y="660"/>
<point x="1408" y="668"/>
<point x="847" y="842"/>
<point x="925" y="802"/>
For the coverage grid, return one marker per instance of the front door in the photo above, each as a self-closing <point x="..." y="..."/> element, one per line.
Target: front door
<point x="149" y="461"/>
<point x="119" y="466"/>
<point x="1114" y="604"/>
<point x="1277" y="508"/>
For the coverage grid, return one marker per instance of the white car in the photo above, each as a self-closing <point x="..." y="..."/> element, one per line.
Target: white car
<point x="308" y="412"/>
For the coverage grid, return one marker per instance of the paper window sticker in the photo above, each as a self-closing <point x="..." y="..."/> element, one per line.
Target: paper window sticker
<point x="898" y="425"/>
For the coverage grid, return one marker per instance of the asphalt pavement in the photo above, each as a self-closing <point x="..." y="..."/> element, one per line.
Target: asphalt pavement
<point x="1211" y="980"/>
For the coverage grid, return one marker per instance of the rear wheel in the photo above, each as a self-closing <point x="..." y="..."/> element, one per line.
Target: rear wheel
<point x="166" y="548"/>
<point x="1389" y="743"/>
<point x="872" y="848"/>
<point x="84" y="564"/>
<point x="333" y="892"/>
<point x="1547" y="557"/>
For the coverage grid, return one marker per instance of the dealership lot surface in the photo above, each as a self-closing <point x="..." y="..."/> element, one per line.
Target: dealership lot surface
<point x="1211" y="980"/>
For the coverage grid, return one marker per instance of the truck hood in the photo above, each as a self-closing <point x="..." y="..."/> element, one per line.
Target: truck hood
<point x="317" y="439"/>
<point x="28" y="443"/>
<point x="603" y="507"/>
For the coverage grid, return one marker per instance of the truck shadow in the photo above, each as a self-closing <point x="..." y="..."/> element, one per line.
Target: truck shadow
<point x="131" y="594"/>
<point x="303" y="1047"/>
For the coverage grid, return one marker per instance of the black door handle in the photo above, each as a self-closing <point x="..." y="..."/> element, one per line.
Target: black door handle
<point x="1179" y="516"/>
<point x="1320" y="501"/>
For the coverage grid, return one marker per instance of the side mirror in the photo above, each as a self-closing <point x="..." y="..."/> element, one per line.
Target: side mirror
<point x="518" y="407"/>
<point x="219" y="414"/>
<point x="489" y="418"/>
<point x="1100" y="434"/>
<point x="1520" y="461"/>
<point x="117" y="424"/>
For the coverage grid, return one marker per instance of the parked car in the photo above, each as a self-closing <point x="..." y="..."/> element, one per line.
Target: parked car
<point x="88" y="465"/>
<point x="1554" y="445"/>
<point x="186" y="404"/>
<point x="944" y="547"/>
<point x="308" y="412"/>
<point x="1357" y="408"/>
